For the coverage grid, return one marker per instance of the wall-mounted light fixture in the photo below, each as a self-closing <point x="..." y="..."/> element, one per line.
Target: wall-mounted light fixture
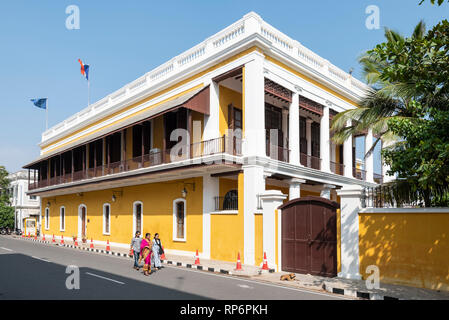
<point x="115" y="194"/>
<point x="184" y="190"/>
<point x="49" y="201"/>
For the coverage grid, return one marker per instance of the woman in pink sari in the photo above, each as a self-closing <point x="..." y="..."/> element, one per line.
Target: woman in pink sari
<point x="145" y="254"/>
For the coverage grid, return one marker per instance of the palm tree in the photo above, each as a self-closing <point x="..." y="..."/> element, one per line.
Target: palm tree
<point x="385" y="100"/>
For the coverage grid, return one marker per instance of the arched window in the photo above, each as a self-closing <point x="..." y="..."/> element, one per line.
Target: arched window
<point x="138" y="218"/>
<point x="231" y="200"/>
<point x="47" y="218"/>
<point x="179" y="220"/>
<point x="62" y="219"/>
<point x="107" y="219"/>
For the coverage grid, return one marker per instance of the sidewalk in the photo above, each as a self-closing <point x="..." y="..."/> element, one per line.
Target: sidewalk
<point x="350" y="288"/>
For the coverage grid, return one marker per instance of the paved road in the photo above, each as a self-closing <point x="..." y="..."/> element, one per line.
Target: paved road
<point x="30" y="270"/>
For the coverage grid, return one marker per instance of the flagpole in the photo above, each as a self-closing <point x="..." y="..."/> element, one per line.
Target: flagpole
<point x="46" y="116"/>
<point x="88" y="92"/>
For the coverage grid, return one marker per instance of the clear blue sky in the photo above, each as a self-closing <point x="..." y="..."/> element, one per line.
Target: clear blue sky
<point x="122" y="40"/>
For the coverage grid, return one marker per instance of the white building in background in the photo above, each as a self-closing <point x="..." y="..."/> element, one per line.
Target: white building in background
<point x="24" y="206"/>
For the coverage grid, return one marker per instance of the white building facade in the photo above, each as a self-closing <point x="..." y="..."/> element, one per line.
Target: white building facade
<point x="25" y="206"/>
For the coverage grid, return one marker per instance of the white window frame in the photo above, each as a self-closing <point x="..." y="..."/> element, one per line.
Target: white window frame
<point x="104" y="219"/>
<point x="175" y="238"/>
<point x="47" y="218"/>
<point x="80" y="223"/>
<point x="61" y="227"/>
<point x="134" y="218"/>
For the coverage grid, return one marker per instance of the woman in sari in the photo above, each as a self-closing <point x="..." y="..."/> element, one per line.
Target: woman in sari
<point x="145" y="254"/>
<point x="157" y="251"/>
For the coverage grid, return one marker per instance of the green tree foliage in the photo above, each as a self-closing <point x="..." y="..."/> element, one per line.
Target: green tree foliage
<point x="439" y="2"/>
<point x="6" y="211"/>
<point x="409" y="103"/>
<point x="6" y="216"/>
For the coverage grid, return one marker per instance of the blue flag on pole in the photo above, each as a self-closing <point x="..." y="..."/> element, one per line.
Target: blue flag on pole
<point x="40" y="103"/>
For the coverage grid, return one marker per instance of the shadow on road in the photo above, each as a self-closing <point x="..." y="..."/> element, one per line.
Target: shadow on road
<point x="24" y="277"/>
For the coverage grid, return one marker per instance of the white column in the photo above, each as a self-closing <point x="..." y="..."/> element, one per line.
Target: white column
<point x="293" y="133"/>
<point x="309" y="141"/>
<point x="347" y="155"/>
<point x="350" y="207"/>
<point x="271" y="200"/>
<point x="386" y="167"/>
<point x="254" y="110"/>
<point x="253" y="184"/>
<point x="285" y="128"/>
<point x="210" y="191"/>
<point x="294" y="191"/>
<point x="211" y="121"/>
<point x="369" y="162"/>
<point x="324" y="140"/>
<point x="326" y="191"/>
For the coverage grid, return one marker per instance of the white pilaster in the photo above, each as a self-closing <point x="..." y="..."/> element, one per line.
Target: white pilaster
<point x="324" y="140"/>
<point x="369" y="162"/>
<point x="350" y="207"/>
<point x="293" y="133"/>
<point x="211" y="121"/>
<point x="210" y="191"/>
<point x="347" y="155"/>
<point x="294" y="191"/>
<point x="254" y="107"/>
<point x="253" y="184"/>
<point x="309" y="141"/>
<point x="285" y="128"/>
<point x="326" y="191"/>
<point x="271" y="200"/>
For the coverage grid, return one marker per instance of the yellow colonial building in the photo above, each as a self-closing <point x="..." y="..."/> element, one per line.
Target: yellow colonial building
<point x="205" y="148"/>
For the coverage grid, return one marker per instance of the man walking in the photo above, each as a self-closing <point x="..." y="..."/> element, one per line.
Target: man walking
<point x="135" y="247"/>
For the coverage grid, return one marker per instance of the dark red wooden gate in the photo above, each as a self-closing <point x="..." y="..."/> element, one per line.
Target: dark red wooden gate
<point x="309" y="236"/>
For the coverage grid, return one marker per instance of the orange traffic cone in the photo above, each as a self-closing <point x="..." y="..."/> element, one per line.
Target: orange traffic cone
<point x="91" y="243"/>
<point x="197" y="258"/>
<point x="53" y="238"/>
<point x="108" y="248"/>
<point x="163" y="254"/>
<point x="29" y="235"/>
<point x="35" y="236"/>
<point x="62" y="239"/>
<point x="239" y="263"/>
<point x="76" y="242"/>
<point x="265" y="262"/>
<point x="43" y="237"/>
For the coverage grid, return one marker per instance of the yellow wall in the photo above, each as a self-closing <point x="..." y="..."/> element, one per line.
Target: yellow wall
<point x="227" y="229"/>
<point x="157" y="211"/>
<point x="226" y="97"/>
<point x="158" y="132"/>
<point x="409" y="248"/>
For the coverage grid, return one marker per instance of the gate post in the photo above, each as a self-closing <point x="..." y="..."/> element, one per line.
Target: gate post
<point x="271" y="200"/>
<point x="350" y="206"/>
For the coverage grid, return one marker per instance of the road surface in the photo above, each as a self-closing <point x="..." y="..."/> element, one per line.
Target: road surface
<point x="31" y="270"/>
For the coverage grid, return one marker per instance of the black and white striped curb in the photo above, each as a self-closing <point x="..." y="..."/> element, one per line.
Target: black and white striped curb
<point x="168" y="262"/>
<point x="357" y="294"/>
